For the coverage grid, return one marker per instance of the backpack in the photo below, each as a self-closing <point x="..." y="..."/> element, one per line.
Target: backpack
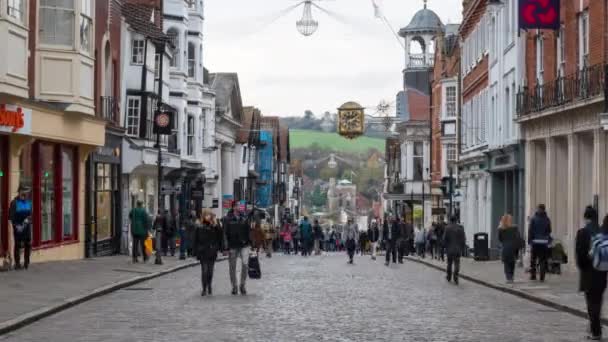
<point x="599" y="252"/>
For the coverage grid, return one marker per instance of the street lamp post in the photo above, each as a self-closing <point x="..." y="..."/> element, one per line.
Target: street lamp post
<point x="161" y="203"/>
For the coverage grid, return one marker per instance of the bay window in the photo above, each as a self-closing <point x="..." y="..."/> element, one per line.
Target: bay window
<point x="57" y="22"/>
<point x="51" y="170"/>
<point x="86" y="25"/>
<point x="16" y="9"/>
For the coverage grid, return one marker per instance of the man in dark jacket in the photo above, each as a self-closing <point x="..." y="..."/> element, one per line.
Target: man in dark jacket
<point x="391" y="235"/>
<point x="20" y="215"/>
<point x="592" y="282"/>
<point x="539" y="237"/>
<point x="373" y="233"/>
<point x="455" y="240"/>
<point x="237" y="238"/>
<point x="440" y="229"/>
<point x="169" y="232"/>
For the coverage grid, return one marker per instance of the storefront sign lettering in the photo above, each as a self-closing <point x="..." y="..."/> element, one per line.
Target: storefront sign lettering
<point x="15" y="119"/>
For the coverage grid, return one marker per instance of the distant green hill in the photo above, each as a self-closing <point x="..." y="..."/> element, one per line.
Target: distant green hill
<point x="306" y="138"/>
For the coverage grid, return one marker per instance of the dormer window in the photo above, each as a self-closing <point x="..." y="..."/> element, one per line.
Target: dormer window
<point x="57" y="22"/>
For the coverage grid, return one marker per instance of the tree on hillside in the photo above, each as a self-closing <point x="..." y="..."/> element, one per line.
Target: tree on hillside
<point x="319" y="198"/>
<point x="309" y="115"/>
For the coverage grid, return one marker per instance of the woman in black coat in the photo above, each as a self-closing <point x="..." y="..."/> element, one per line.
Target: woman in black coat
<point x="208" y="241"/>
<point x="592" y="282"/>
<point x="511" y="241"/>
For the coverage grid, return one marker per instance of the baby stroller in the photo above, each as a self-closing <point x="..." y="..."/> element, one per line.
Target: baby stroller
<point x="557" y="257"/>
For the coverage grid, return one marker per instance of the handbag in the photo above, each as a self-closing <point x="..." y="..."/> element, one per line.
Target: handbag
<point x="255" y="271"/>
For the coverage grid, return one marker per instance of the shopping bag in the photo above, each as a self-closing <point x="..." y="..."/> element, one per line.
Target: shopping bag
<point x="149" y="246"/>
<point x="255" y="272"/>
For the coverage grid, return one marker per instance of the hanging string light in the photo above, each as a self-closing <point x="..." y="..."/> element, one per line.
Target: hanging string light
<point x="307" y="25"/>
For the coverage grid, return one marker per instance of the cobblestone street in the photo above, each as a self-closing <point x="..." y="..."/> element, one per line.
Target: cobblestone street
<point x="309" y="299"/>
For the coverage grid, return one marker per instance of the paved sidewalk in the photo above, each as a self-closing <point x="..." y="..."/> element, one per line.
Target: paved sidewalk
<point x="47" y="288"/>
<point x="558" y="291"/>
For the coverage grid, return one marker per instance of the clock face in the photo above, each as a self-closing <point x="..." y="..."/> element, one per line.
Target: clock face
<point x="163" y="120"/>
<point x="351" y="120"/>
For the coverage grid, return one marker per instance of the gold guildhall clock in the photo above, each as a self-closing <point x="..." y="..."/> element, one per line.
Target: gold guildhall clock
<point x="351" y="120"/>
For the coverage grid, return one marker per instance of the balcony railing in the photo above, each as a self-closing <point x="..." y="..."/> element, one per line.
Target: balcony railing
<point x="108" y="108"/>
<point x="420" y="60"/>
<point x="584" y="84"/>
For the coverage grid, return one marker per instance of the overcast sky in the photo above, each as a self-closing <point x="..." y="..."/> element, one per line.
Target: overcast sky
<point x="352" y="57"/>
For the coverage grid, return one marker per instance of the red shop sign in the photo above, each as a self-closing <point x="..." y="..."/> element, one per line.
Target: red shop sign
<point x="15" y="119"/>
<point x="539" y="14"/>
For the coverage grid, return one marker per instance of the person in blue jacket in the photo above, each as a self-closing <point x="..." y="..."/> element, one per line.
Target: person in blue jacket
<point x="20" y="215"/>
<point x="306" y="236"/>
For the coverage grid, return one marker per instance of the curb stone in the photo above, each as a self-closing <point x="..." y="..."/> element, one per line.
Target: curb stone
<point x="36" y="315"/>
<point x="514" y="292"/>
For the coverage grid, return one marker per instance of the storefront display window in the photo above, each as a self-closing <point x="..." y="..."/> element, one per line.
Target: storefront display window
<point x="47" y="191"/>
<point x="67" y="173"/>
<point x="49" y="170"/>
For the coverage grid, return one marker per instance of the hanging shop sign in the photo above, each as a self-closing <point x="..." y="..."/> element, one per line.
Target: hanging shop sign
<point x="351" y="120"/>
<point x="539" y="14"/>
<point x="15" y="119"/>
<point x="163" y="122"/>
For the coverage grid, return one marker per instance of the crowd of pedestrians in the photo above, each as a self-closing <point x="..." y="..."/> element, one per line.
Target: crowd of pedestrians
<point x="239" y="233"/>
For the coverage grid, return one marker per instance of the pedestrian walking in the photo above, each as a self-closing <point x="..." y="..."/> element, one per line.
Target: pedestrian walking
<point x="258" y="236"/>
<point x="20" y="216"/>
<point x="408" y="237"/>
<point x="237" y="240"/>
<point x="286" y="235"/>
<point x="455" y="240"/>
<point x="432" y="240"/>
<point x="440" y="229"/>
<point x="363" y="239"/>
<point x="511" y="241"/>
<point x="160" y="227"/>
<point x="305" y="236"/>
<point x="168" y="238"/>
<point x="373" y="234"/>
<point x="190" y="229"/>
<point x="317" y="232"/>
<point x="140" y="228"/>
<point x="351" y="235"/>
<point x="539" y="238"/>
<point x="592" y="262"/>
<point x="420" y="241"/>
<point x="208" y="240"/>
<point x="269" y="234"/>
<point x="390" y="235"/>
<point x="402" y="240"/>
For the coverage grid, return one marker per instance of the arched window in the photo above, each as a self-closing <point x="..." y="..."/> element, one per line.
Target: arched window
<point x="191" y="60"/>
<point x="174" y="36"/>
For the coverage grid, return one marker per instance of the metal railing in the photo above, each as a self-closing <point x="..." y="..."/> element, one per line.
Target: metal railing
<point x="584" y="84"/>
<point x="108" y="108"/>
